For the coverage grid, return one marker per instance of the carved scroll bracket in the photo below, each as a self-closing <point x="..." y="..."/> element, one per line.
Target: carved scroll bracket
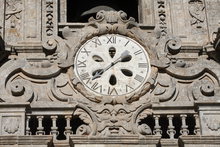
<point x="90" y="121"/>
<point x="140" y="127"/>
<point x="16" y="88"/>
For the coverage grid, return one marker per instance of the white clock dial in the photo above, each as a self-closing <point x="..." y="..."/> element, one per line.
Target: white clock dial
<point x="112" y="65"/>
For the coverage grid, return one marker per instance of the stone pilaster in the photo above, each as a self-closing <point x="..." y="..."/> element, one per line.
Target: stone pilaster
<point x="209" y="114"/>
<point x="12" y="118"/>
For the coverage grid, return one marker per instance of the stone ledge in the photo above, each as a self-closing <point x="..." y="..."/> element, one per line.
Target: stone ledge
<point x="26" y="140"/>
<point x="9" y="105"/>
<point x="169" y="142"/>
<point x="131" y="140"/>
<point x="199" y="140"/>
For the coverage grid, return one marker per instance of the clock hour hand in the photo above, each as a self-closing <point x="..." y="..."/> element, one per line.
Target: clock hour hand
<point x="99" y="72"/>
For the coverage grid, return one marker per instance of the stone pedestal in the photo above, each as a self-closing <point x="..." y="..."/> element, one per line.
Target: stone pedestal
<point x="199" y="141"/>
<point x="115" y="141"/>
<point x="12" y="118"/>
<point x="209" y="114"/>
<point x="26" y="141"/>
<point x="169" y="143"/>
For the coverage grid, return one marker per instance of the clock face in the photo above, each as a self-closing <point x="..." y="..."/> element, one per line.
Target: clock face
<point x="112" y="65"/>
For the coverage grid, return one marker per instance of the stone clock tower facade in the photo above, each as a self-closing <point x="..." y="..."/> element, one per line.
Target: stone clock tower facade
<point x="139" y="73"/>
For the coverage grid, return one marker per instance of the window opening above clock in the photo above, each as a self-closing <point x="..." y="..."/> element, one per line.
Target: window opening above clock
<point x="82" y="10"/>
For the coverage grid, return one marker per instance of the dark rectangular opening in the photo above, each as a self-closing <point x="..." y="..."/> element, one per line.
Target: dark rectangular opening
<point x="82" y="10"/>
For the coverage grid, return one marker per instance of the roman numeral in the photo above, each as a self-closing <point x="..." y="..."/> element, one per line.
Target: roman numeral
<point x="112" y="91"/>
<point x="81" y="64"/>
<point x="139" y="78"/>
<point x="142" y="65"/>
<point x="111" y="39"/>
<point x="138" y="52"/>
<point x="129" y="87"/>
<point x="96" y="86"/>
<point x="85" y="76"/>
<point x="97" y="42"/>
<point x="127" y="43"/>
<point x="85" y="51"/>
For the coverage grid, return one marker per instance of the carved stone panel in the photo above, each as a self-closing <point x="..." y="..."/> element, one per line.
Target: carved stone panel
<point x="146" y="12"/>
<point x="11" y="125"/>
<point x="188" y="21"/>
<point x="179" y="16"/>
<point x="63" y="11"/>
<point x="213" y="16"/>
<point x="32" y="18"/>
<point x="12" y="120"/>
<point x="14" y="11"/>
<point x="210" y="120"/>
<point x="2" y="7"/>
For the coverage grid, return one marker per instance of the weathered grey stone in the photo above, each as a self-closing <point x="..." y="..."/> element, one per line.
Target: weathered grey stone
<point x="199" y="141"/>
<point x="26" y="141"/>
<point x="12" y="118"/>
<point x="213" y="17"/>
<point x="111" y="81"/>
<point x="209" y="116"/>
<point x="114" y="141"/>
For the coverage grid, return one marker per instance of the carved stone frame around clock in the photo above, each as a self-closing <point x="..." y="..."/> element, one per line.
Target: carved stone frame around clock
<point x="106" y="22"/>
<point x="110" y="22"/>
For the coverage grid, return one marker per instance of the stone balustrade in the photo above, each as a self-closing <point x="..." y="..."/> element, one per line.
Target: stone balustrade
<point x="61" y="127"/>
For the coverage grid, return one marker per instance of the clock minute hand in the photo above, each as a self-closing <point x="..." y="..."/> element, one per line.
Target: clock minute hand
<point x="124" y="55"/>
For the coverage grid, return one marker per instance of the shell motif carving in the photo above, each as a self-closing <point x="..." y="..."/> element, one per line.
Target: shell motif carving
<point x="11" y="125"/>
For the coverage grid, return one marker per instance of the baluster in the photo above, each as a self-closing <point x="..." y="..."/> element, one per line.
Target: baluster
<point x="68" y="128"/>
<point x="27" y="125"/>
<point x="184" y="128"/>
<point x="171" y="132"/>
<point x="54" y="128"/>
<point x="40" y="127"/>
<point x="157" y="128"/>
<point x="197" y="126"/>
